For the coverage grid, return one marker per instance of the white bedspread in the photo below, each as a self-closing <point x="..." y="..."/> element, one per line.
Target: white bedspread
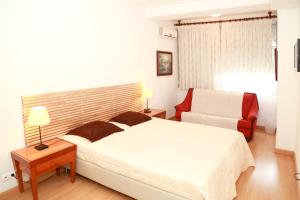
<point x="190" y="160"/>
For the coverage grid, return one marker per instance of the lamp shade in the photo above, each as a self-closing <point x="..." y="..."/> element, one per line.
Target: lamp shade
<point x="38" y="116"/>
<point x="147" y="93"/>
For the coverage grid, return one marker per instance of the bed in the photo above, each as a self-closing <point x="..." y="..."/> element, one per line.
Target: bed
<point x="157" y="159"/>
<point x="162" y="159"/>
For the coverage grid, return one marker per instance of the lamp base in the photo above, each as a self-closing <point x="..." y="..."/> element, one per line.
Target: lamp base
<point x="41" y="147"/>
<point x="147" y="110"/>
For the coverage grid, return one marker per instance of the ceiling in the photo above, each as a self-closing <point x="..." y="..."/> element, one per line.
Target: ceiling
<point x="164" y="2"/>
<point x="184" y="9"/>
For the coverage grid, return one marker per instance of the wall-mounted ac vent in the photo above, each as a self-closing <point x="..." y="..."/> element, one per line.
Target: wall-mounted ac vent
<point x="167" y="32"/>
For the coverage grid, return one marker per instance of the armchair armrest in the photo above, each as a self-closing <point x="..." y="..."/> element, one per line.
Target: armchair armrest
<point x="183" y="107"/>
<point x="250" y="106"/>
<point x="186" y="105"/>
<point x="247" y="124"/>
<point x="242" y="123"/>
<point x="252" y="115"/>
<point x="253" y="112"/>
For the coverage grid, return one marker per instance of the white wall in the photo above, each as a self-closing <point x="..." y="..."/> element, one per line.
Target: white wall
<point x="59" y="45"/>
<point x="297" y="152"/>
<point x="287" y="112"/>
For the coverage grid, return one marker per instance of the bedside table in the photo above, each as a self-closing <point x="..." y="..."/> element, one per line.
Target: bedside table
<point x="35" y="163"/>
<point x="156" y="113"/>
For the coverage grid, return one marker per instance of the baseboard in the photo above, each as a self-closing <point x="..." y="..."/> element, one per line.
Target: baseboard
<point x="260" y="127"/>
<point x="263" y="128"/>
<point x="286" y="153"/>
<point x="292" y="155"/>
<point x="298" y="183"/>
<point x="41" y="178"/>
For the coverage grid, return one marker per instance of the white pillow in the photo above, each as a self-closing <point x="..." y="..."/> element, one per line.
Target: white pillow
<point x="75" y="139"/>
<point x="122" y="126"/>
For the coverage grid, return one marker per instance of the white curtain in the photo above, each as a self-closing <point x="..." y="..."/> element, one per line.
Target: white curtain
<point x="234" y="56"/>
<point x="199" y="53"/>
<point x="246" y="57"/>
<point x="215" y="56"/>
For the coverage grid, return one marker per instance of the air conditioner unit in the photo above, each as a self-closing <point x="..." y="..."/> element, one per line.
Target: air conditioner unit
<point x="167" y="32"/>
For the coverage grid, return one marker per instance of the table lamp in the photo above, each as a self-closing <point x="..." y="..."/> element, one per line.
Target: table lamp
<point x="147" y="93"/>
<point x="38" y="116"/>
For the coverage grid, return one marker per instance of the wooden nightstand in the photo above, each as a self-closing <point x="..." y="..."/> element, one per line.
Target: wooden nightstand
<point x="35" y="163"/>
<point x="156" y="113"/>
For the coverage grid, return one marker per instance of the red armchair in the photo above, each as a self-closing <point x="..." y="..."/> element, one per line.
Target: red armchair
<point x="246" y="125"/>
<point x="250" y="108"/>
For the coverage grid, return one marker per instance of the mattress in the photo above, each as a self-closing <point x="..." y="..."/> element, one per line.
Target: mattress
<point x="190" y="160"/>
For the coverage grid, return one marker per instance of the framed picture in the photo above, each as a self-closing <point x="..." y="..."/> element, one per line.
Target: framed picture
<point x="164" y="64"/>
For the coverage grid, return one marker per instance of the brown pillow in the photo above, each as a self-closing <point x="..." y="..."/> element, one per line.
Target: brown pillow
<point x="131" y="118"/>
<point x="96" y="130"/>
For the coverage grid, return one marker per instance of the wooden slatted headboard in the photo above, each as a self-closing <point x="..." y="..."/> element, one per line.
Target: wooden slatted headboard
<point x="68" y="110"/>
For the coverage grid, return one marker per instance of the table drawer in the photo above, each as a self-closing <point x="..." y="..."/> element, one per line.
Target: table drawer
<point x="55" y="162"/>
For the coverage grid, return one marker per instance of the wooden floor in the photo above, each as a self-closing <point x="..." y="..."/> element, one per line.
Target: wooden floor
<point x="272" y="178"/>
